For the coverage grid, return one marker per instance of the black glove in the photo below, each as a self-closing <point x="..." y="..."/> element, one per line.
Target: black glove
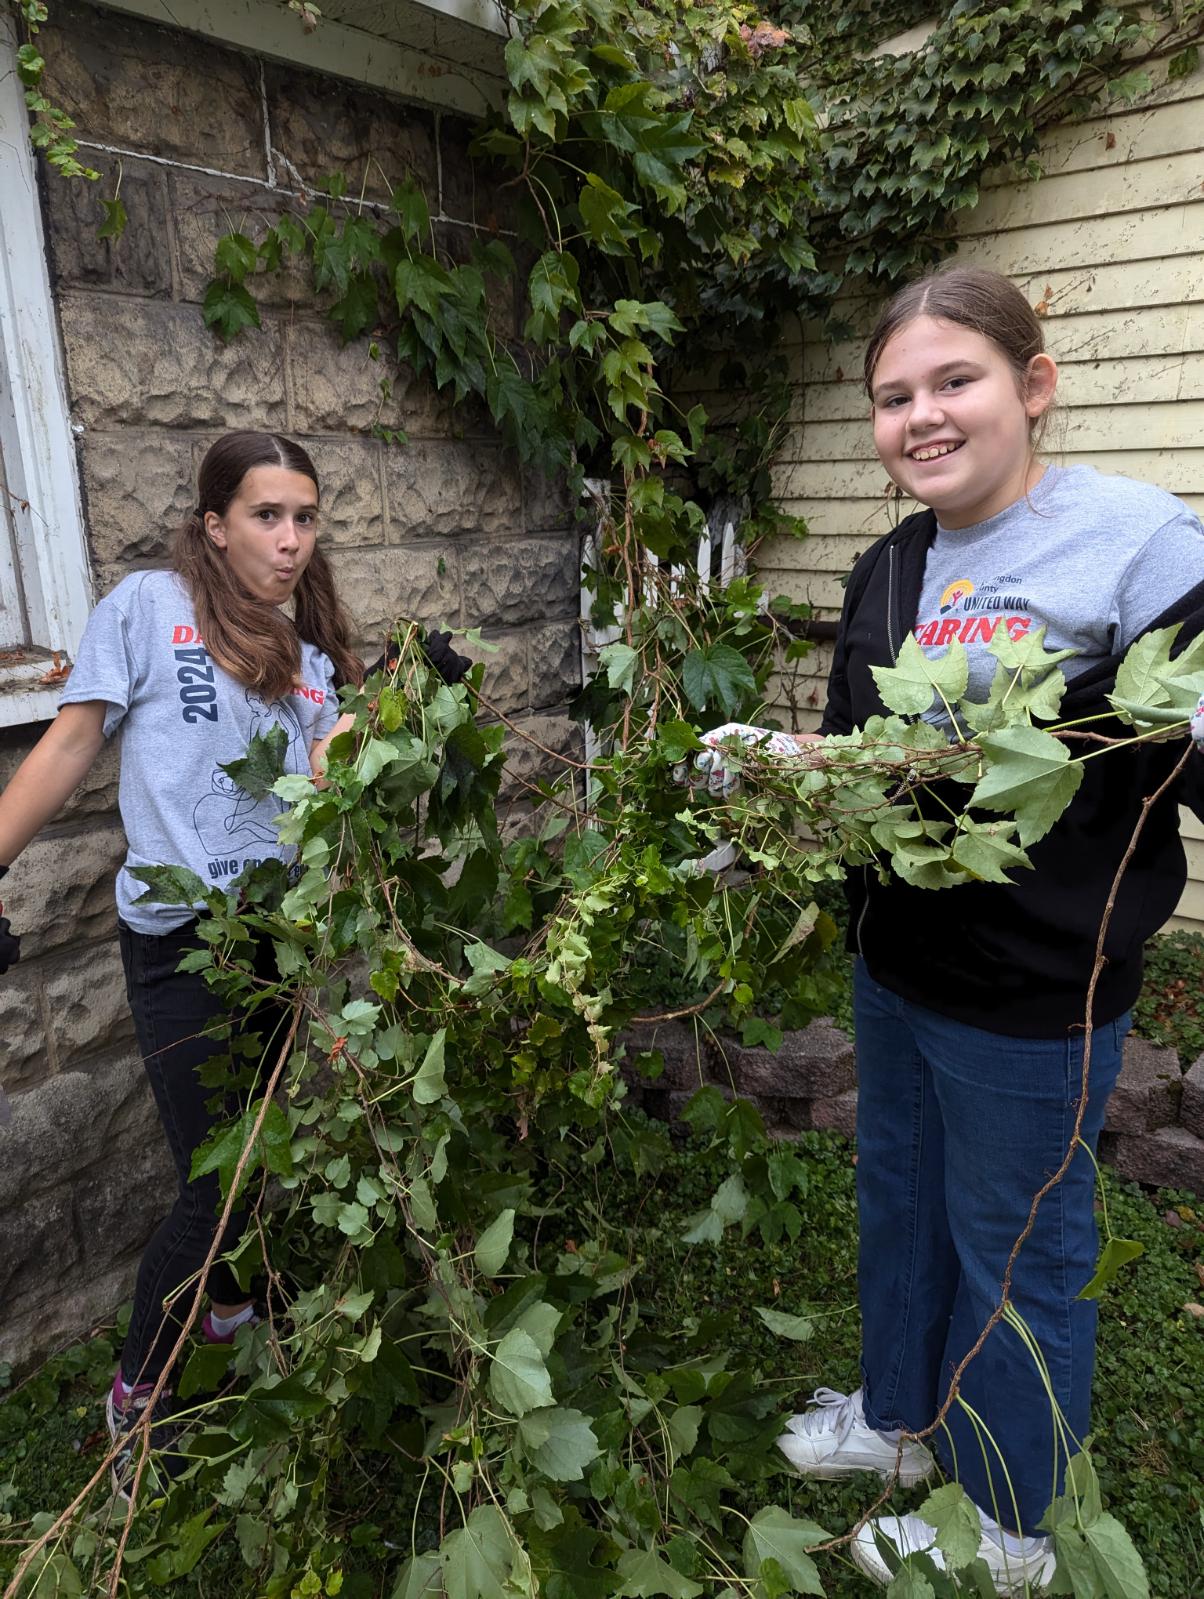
<point x="436" y="646"/>
<point x="10" y="942"/>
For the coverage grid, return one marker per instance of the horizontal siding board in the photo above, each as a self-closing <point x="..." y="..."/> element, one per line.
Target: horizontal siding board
<point x="1171" y="181"/>
<point x="1086" y="430"/>
<point x="1179" y="470"/>
<point x="1130" y="380"/>
<point x="1143" y="134"/>
<point x="1095" y="241"/>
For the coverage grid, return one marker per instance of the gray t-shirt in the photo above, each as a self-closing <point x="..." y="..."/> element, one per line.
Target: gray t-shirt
<point x="181" y="716"/>
<point x="1092" y="558"/>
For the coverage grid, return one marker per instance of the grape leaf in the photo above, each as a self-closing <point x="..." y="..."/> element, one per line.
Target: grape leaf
<point x="911" y="684"/>
<point x="774" y="1534"/>
<point x="957" y="1522"/>
<point x="559" y="1441"/>
<point x="518" y="1378"/>
<point x="1031" y="774"/>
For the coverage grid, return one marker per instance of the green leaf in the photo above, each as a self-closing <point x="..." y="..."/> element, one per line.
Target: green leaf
<point x="683" y="1427"/>
<point x="235" y="256"/>
<point x="258" y="770"/>
<point x="911" y="685"/>
<point x="957" y="1523"/>
<point x="170" y="885"/>
<point x="114" y="224"/>
<point x="797" y="1328"/>
<point x="1105" y="1549"/>
<point x="908" y="1583"/>
<point x="1031" y="774"/>
<point x="476" y="1558"/>
<point x="494" y="1244"/>
<point x="986" y="851"/>
<point x="429" y="1084"/>
<point x="774" y="1534"/>
<point x="559" y="1441"/>
<point x="1114" y="1256"/>
<point x="207" y="1365"/>
<point x="1146" y="663"/>
<point x="620" y="661"/>
<point x="716" y="676"/>
<point x="518" y="1378"/>
<point x="420" y="1578"/>
<point x="645" y="1574"/>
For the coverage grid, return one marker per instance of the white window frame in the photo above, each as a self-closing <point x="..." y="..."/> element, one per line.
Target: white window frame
<point x="36" y="436"/>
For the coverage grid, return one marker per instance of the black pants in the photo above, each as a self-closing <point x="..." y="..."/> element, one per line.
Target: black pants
<point x="174" y="1013"/>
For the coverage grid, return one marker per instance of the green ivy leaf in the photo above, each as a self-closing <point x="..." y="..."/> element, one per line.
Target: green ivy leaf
<point x="913" y="683"/>
<point x="518" y="1378"/>
<point x="716" y="676"/>
<point x="1114" y="1257"/>
<point x="774" y="1534"/>
<point x="957" y="1522"/>
<point x="797" y="1328"/>
<point x="645" y="1574"/>
<point x="430" y="1084"/>
<point x="476" y="1558"/>
<point x="493" y="1245"/>
<point x="235" y="256"/>
<point x="1031" y="774"/>
<point x="257" y="772"/>
<point x="620" y="661"/>
<point x="559" y="1442"/>
<point x="115" y="221"/>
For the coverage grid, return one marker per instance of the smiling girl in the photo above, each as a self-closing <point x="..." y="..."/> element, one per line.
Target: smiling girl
<point x="184" y="667"/>
<point x="969" y="1004"/>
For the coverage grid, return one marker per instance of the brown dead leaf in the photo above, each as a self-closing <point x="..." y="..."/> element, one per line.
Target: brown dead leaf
<point x="58" y="673"/>
<point x="1109" y="141"/>
<point x="1200" y="1272"/>
<point x="1195" y="1310"/>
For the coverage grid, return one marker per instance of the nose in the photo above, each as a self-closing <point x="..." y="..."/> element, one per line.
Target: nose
<point x="287" y="537"/>
<point x="926" y="410"/>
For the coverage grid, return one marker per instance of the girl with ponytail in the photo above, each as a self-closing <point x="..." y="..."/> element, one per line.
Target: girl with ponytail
<point x="185" y="667"/>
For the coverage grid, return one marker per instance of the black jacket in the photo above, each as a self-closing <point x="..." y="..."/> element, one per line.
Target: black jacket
<point x="1015" y="958"/>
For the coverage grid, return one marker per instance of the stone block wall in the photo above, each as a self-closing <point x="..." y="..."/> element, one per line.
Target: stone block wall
<point x="448" y="528"/>
<point x="1153" y="1132"/>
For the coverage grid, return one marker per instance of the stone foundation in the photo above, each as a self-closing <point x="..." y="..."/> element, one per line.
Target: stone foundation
<point x="1153" y="1133"/>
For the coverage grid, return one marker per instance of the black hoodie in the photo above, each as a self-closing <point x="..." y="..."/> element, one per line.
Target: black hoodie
<point x="1016" y="958"/>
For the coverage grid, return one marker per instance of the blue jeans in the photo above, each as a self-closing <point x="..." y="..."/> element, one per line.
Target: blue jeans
<point x="957" y="1129"/>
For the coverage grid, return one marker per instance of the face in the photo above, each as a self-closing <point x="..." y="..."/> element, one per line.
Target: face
<point x="268" y="530"/>
<point x="951" y="424"/>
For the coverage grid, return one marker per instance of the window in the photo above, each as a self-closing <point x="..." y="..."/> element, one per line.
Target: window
<point x="45" y="590"/>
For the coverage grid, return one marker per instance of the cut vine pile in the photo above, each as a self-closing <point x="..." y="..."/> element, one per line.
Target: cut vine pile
<point x="400" y="1128"/>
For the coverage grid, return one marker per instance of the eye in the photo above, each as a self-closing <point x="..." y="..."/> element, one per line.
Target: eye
<point x="265" y="514"/>
<point x="956" y="383"/>
<point x="895" y="401"/>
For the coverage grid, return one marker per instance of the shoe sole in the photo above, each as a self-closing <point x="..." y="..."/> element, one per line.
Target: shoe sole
<point x="906" y="1477"/>
<point x="871" y="1565"/>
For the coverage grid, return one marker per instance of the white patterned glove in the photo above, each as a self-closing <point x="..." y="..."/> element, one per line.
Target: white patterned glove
<point x="719" y="773"/>
<point x="1197" y="725"/>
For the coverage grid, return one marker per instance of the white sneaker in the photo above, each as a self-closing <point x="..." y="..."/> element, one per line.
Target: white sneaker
<point x="832" y="1440"/>
<point x="1023" y="1566"/>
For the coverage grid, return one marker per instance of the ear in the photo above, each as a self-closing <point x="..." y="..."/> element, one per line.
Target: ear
<point x="215" y="529"/>
<point x="1042" y="380"/>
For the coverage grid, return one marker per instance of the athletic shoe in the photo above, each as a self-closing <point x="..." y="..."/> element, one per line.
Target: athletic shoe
<point x="1025" y="1569"/>
<point x="832" y="1440"/>
<point x="123" y="1411"/>
<point x="211" y="1335"/>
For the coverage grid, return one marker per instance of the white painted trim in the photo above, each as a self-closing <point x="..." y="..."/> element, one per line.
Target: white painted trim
<point x="35" y="427"/>
<point x="436" y="71"/>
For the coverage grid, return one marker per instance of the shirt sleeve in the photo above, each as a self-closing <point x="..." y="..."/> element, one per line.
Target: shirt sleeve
<point x="1169" y="563"/>
<point x="330" y="709"/>
<point x="104" y="668"/>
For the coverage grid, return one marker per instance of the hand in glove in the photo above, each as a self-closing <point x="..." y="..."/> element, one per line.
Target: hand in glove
<point x="719" y="772"/>
<point x="1197" y="725"/>
<point x="436" y="646"/>
<point x="10" y="942"/>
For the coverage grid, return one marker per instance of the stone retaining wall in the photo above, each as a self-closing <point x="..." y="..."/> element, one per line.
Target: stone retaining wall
<point x="206" y="140"/>
<point x="1153" y="1133"/>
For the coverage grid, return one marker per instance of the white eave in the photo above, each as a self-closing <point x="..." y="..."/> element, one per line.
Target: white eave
<point x="446" y="53"/>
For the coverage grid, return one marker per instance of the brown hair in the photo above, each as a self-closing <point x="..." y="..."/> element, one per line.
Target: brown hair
<point x="971" y="297"/>
<point x="256" y="643"/>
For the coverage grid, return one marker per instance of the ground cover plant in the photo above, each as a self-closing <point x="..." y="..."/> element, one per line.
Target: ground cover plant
<point x="1149" y="1391"/>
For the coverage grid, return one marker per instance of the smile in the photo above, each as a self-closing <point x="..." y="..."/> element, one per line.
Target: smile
<point x="933" y="452"/>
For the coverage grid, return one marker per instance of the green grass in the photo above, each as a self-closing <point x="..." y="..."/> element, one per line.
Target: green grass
<point x="1149" y="1412"/>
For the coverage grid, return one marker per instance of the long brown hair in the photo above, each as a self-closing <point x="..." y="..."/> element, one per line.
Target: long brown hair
<point x="254" y="642"/>
<point x="971" y="297"/>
